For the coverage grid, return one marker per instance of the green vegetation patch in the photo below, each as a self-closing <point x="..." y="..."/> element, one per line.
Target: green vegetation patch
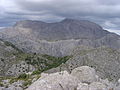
<point x="45" y="62"/>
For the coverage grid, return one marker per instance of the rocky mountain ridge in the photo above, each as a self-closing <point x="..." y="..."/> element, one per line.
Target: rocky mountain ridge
<point x="60" y="38"/>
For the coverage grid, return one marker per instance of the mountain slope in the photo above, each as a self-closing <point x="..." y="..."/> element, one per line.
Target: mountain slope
<point x="60" y="38"/>
<point x="14" y="62"/>
<point x="105" y="60"/>
<point x="66" y="29"/>
<point x="80" y="42"/>
<point x="7" y="56"/>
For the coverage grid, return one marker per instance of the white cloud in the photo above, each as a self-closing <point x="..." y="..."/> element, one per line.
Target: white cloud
<point x="105" y="13"/>
<point x="114" y="31"/>
<point x="2" y="27"/>
<point x="39" y="0"/>
<point x="110" y="24"/>
<point x="7" y="4"/>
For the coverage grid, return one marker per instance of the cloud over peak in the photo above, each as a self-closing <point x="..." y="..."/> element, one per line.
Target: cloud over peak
<point x="100" y="11"/>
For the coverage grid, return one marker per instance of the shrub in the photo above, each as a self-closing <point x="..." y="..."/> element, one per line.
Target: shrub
<point x="27" y="83"/>
<point x="22" y="76"/>
<point x="1" y="85"/>
<point x="36" y="72"/>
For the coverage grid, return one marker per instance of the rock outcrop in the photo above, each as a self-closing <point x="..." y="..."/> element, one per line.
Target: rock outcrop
<point x="85" y="74"/>
<point x="77" y="80"/>
<point x="56" y="81"/>
<point x="19" y="68"/>
<point x="105" y="60"/>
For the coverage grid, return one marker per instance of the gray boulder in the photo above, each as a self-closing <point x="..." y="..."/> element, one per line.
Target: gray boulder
<point x="83" y="86"/>
<point x="56" y="81"/>
<point x="97" y="86"/>
<point x="81" y="78"/>
<point x="84" y="74"/>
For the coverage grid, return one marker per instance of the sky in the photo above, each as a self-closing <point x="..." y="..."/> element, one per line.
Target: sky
<point x="103" y="12"/>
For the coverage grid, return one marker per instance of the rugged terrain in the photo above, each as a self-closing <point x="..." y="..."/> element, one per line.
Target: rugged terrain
<point x="105" y="60"/>
<point x="31" y="47"/>
<point x="81" y="78"/>
<point x="60" y="38"/>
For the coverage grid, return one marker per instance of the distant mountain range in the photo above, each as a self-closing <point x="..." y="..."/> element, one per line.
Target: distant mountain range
<point x="60" y="38"/>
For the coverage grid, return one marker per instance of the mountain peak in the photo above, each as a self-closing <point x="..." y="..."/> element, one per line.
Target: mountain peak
<point x="66" y="29"/>
<point x="68" y="20"/>
<point x="82" y="22"/>
<point x="28" y="23"/>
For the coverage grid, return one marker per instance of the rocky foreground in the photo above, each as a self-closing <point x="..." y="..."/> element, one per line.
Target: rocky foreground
<point x="81" y="78"/>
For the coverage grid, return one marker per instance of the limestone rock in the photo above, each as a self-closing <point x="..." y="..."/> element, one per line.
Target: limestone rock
<point x="14" y="88"/>
<point x="117" y="88"/>
<point x="2" y="88"/>
<point x="106" y="61"/>
<point x="97" y="86"/>
<point x="56" y="81"/>
<point x="85" y="74"/>
<point x="20" y="68"/>
<point x="81" y="78"/>
<point x="83" y="86"/>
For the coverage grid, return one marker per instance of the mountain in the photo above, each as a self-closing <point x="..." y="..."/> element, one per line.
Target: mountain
<point x="105" y="60"/>
<point x="60" y="38"/>
<point x="31" y="47"/>
<point x="66" y="29"/>
<point x="14" y="62"/>
<point x="8" y="54"/>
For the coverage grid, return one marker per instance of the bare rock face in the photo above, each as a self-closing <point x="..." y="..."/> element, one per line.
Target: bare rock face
<point x="97" y="86"/>
<point x="92" y="86"/>
<point x="20" y="68"/>
<point x="77" y="80"/>
<point x="14" y="86"/>
<point x="85" y="74"/>
<point x="83" y="86"/>
<point x="106" y="61"/>
<point x="11" y="88"/>
<point x="117" y="88"/>
<point x="57" y="81"/>
<point x="2" y="88"/>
